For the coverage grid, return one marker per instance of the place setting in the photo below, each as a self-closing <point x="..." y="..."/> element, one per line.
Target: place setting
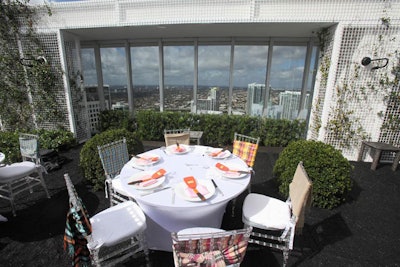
<point x="148" y="182"/>
<point x="178" y="149"/>
<point x="219" y="153"/>
<point x="231" y="171"/>
<point x="194" y="190"/>
<point x="144" y="160"/>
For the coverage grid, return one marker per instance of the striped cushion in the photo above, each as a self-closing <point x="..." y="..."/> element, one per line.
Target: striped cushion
<point x="219" y="252"/>
<point x="246" y="151"/>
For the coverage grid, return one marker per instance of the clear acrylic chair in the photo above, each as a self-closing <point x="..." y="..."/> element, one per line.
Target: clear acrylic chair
<point x="113" y="157"/>
<point x="283" y="219"/>
<point x="210" y="248"/>
<point x="22" y="176"/>
<point x="109" y="237"/>
<point x="182" y="136"/>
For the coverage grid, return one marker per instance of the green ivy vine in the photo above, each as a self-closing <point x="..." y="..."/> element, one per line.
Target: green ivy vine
<point x="28" y="94"/>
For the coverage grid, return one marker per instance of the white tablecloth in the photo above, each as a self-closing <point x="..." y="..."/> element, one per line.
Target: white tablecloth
<point x="165" y="216"/>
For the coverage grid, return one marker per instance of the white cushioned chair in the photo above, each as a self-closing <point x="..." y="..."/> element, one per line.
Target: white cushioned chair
<point x="109" y="237"/>
<point x="22" y="176"/>
<point x="285" y="218"/>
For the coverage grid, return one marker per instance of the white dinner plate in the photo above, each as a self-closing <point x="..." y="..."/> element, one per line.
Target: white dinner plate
<point x="180" y="190"/>
<point x="143" y="161"/>
<point x="144" y="175"/>
<point x="233" y="175"/>
<point x="223" y="155"/>
<point x="172" y="149"/>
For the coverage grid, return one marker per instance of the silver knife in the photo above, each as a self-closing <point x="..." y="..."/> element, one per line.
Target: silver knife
<point x="216" y="187"/>
<point x="155" y="191"/>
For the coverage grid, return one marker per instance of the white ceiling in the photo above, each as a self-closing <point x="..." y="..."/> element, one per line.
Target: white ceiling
<point x="264" y="30"/>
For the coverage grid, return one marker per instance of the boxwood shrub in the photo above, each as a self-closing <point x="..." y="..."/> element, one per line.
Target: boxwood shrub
<point x="89" y="155"/>
<point x="326" y="166"/>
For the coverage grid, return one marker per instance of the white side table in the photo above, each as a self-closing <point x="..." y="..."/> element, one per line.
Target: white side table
<point x="196" y="136"/>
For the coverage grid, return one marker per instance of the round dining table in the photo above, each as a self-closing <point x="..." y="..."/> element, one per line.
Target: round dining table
<point x="168" y="203"/>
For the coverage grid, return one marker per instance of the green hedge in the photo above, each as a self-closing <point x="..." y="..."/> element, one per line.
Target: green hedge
<point x="218" y="129"/>
<point x="89" y="155"/>
<point x="326" y="166"/>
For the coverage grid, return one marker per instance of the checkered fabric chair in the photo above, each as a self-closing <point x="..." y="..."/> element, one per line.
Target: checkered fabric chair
<point x="22" y="176"/>
<point x="109" y="237"/>
<point x="274" y="221"/>
<point x="113" y="157"/>
<point x="245" y="147"/>
<point x="182" y="136"/>
<point x="210" y="249"/>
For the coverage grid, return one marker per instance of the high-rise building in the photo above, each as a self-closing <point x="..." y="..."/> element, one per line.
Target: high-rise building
<point x="255" y="99"/>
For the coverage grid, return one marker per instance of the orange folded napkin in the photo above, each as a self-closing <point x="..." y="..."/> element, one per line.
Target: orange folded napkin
<point x="179" y="149"/>
<point x="201" y="188"/>
<point x="156" y="175"/>
<point x="224" y="168"/>
<point x="216" y="153"/>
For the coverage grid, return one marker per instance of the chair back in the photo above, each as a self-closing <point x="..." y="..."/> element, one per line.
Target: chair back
<point x="182" y="136"/>
<point x="210" y="249"/>
<point x="29" y="147"/>
<point x="113" y="157"/>
<point x="78" y="228"/>
<point x="245" y="147"/>
<point x="300" y="192"/>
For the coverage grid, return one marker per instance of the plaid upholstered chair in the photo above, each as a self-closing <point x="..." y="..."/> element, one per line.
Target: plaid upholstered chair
<point x="182" y="136"/>
<point x="205" y="247"/>
<point x="281" y="219"/>
<point x="109" y="237"/>
<point x="245" y="147"/>
<point x="113" y="157"/>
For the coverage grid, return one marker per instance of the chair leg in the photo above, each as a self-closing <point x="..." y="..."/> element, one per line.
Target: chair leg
<point x="233" y="207"/>
<point x="285" y="257"/>
<point x="43" y="183"/>
<point x="12" y="199"/>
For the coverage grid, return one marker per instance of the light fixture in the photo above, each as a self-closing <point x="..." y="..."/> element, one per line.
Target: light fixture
<point x="28" y="62"/>
<point x="367" y="60"/>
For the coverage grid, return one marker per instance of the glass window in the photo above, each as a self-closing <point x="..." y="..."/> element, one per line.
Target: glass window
<point x="250" y="64"/>
<point x="145" y="77"/>
<point x="213" y="78"/>
<point x="114" y="77"/>
<point x="287" y="69"/>
<point x="305" y="109"/>
<point x="178" y="77"/>
<point x="89" y="74"/>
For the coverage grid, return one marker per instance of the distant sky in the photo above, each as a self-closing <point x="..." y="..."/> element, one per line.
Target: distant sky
<point x="249" y="66"/>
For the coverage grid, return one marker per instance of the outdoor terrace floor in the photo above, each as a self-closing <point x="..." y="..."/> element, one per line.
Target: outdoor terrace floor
<point x="364" y="231"/>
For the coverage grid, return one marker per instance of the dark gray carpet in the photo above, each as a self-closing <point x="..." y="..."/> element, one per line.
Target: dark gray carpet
<point x="364" y="231"/>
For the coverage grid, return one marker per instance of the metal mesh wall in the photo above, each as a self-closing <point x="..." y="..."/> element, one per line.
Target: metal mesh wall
<point x="50" y="47"/>
<point x="80" y="116"/>
<point x="98" y="13"/>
